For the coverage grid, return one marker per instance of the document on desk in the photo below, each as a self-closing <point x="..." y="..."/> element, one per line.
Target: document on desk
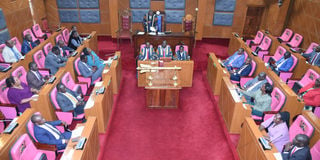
<point x="90" y="102"/>
<point x="105" y="71"/>
<point x="77" y="132"/>
<point x="67" y="154"/>
<point x="235" y="95"/>
<point x="140" y="33"/>
<point x="98" y="84"/>
<point x="277" y="156"/>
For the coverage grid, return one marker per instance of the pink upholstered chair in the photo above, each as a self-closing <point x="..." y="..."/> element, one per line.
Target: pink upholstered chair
<point x="300" y="126"/>
<point x="39" y="58"/>
<point x="9" y="111"/>
<point x="286" y="35"/>
<point x="68" y="81"/>
<point x="315" y="151"/>
<point x="66" y="35"/>
<point x="4" y="92"/>
<point x="20" y="73"/>
<point x="278" y="100"/>
<point x="38" y="32"/>
<point x="295" y="41"/>
<point x="18" y="44"/>
<point x="64" y="116"/>
<point x="244" y="80"/>
<point x="1" y="49"/>
<point x="277" y="55"/>
<point x="257" y="39"/>
<point x="253" y="64"/>
<point x="2" y="126"/>
<point x="59" y="37"/>
<point x="184" y="46"/>
<point x="264" y="47"/>
<point x="317" y="112"/>
<point x="47" y="48"/>
<point x="310" y="48"/>
<point x="80" y="77"/>
<point x="24" y="149"/>
<point x="287" y="75"/>
<point x="28" y="31"/>
<point x="309" y="76"/>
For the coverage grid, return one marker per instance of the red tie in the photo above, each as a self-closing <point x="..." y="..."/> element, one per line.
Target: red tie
<point x="30" y="45"/>
<point x="294" y="150"/>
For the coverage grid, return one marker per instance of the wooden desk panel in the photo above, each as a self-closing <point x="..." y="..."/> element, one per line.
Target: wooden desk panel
<point x="91" y="148"/>
<point x="102" y="107"/>
<point x="315" y="122"/>
<point x="249" y="147"/>
<point x="215" y="73"/>
<point x="234" y="44"/>
<point x="185" y="74"/>
<point x="231" y="107"/>
<point x="7" y="140"/>
<point x="172" y="39"/>
<point x="116" y="73"/>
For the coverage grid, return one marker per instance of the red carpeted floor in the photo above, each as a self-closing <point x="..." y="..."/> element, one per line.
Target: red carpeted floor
<point x="194" y="131"/>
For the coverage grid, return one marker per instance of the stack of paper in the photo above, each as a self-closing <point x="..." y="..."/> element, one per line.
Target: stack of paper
<point x="77" y="132"/>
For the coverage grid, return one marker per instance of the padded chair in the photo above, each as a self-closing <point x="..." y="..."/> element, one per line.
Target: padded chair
<point x="34" y="39"/>
<point x="68" y="81"/>
<point x="63" y="116"/>
<point x="295" y="41"/>
<point x="253" y="64"/>
<point x="1" y="49"/>
<point x="125" y="26"/>
<point x="20" y="73"/>
<point x="66" y="35"/>
<point x="278" y="101"/>
<point x="300" y="126"/>
<point x="80" y="77"/>
<point x="161" y="24"/>
<point x="257" y="39"/>
<point x="47" y="48"/>
<point x="24" y="149"/>
<point x="286" y="35"/>
<point x="315" y="151"/>
<point x="310" y="48"/>
<point x="309" y="76"/>
<point x="38" y="32"/>
<point x="264" y="47"/>
<point x="4" y="92"/>
<point x="142" y="46"/>
<point x="39" y="58"/>
<point x="184" y="46"/>
<point x="187" y="23"/>
<point x="277" y="55"/>
<point x="59" y="37"/>
<point x="287" y="75"/>
<point x="17" y="43"/>
<point x="317" y="112"/>
<point x="10" y="111"/>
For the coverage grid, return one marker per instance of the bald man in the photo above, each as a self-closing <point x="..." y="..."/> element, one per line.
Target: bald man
<point x="298" y="149"/>
<point x="10" y="53"/>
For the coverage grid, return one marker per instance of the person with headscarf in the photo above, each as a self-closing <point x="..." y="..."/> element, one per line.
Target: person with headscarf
<point x="277" y="128"/>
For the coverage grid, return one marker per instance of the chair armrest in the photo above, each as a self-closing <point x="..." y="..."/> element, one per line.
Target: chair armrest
<point x="244" y="80"/>
<point x="270" y="112"/>
<point x="48" y="147"/>
<point x="10" y="111"/>
<point x="60" y="110"/>
<point x="86" y="80"/>
<point x="44" y="71"/>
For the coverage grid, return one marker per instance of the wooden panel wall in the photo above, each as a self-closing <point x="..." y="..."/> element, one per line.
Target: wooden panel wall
<point x="102" y="28"/>
<point x="18" y="16"/>
<point x="305" y="20"/>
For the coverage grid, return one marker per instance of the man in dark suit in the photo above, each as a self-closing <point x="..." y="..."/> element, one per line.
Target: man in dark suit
<point x="244" y="70"/>
<point x="27" y="44"/>
<point x="46" y="132"/>
<point x="87" y="71"/>
<point x="182" y="55"/>
<point x="298" y="149"/>
<point x="54" y="60"/>
<point x="313" y="57"/>
<point x="34" y="78"/>
<point x="69" y="100"/>
<point x="64" y="49"/>
<point x="283" y="64"/>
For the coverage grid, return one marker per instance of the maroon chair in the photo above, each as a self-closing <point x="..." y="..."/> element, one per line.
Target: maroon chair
<point x="125" y="26"/>
<point x="187" y="23"/>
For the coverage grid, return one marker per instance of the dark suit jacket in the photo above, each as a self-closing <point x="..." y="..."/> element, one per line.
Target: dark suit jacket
<point x="245" y="72"/>
<point x="53" y="62"/>
<point x="33" y="81"/>
<point x="25" y="47"/>
<point x="44" y="136"/>
<point x="64" y="102"/>
<point x="302" y="154"/>
<point x="182" y="57"/>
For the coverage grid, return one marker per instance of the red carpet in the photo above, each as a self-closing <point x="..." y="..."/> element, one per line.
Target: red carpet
<point x="193" y="131"/>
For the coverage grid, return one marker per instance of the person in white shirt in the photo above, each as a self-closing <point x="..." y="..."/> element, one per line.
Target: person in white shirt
<point x="10" y="53"/>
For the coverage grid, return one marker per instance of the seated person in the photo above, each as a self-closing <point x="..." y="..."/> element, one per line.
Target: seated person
<point x="164" y="50"/>
<point x="54" y="60"/>
<point x="147" y="53"/>
<point x="277" y="128"/>
<point x="75" y="40"/>
<point x="19" y="93"/>
<point x="313" y="57"/>
<point x="182" y="55"/>
<point x="298" y="149"/>
<point x="310" y="94"/>
<point x="34" y="78"/>
<point x="254" y="84"/>
<point x="236" y="60"/>
<point x="149" y="22"/>
<point x="69" y="100"/>
<point x="262" y="99"/>
<point x="10" y="53"/>
<point x="27" y="44"/>
<point x="283" y="64"/>
<point x="73" y="29"/>
<point x="46" y="132"/>
<point x="243" y="71"/>
<point x="88" y="71"/>
<point x="93" y="58"/>
<point x="63" y="48"/>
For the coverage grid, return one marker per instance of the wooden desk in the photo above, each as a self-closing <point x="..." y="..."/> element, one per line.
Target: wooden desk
<point x="91" y="148"/>
<point x="185" y="74"/>
<point x="116" y="73"/>
<point x="7" y="140"/>
<point x="234" y="44"/>
<point x="215" y="73"/>
<point x="102" y="104"/>
<point x="172" y="39"/>
<point x="231" y="107"/>
<point x="249" y="147"/>
<point x="29" y="56"/>
<point x="315" y="122"/>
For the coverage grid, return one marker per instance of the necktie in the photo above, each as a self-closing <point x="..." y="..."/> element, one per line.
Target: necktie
<point x="242" y="68"/>
<point x="293" y="150"/>
<point x="15" y="54"/>
<point x="38" y="75"/>
<point x="314" y="58"/>
<point x="30" y="45"/>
